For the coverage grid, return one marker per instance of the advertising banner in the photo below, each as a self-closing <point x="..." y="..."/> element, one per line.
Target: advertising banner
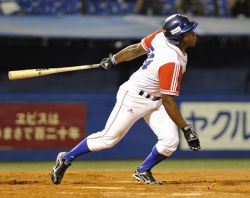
<point x="220" y="125"/>
<point x="41" y="125"/>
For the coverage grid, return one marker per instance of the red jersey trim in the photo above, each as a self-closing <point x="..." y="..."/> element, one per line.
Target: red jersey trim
<point x="170" y="76"/>
<point x="146" y="41"/>
<point x="170" y="93"/>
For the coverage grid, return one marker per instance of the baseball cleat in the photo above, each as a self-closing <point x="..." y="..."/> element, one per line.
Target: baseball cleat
<point x="145" y="177"/>
<point x="59" y="169"/>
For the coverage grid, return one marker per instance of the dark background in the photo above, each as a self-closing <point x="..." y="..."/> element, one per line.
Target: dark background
<point x="217" y="65"/>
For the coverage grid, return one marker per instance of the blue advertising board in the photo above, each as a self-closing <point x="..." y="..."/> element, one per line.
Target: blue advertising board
<point x="222" y="123"/>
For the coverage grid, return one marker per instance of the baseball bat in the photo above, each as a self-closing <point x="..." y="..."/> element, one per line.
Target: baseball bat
<point x="30" y="73"/>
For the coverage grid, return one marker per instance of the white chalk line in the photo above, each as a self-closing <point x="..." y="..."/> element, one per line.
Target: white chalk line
<point x="125" y="181"/>
<point x="116" y="193"/>
<point x="131" y="193"/>
<point x="188" y="194"/>
<point x="153" y="193"/>
<point x="72" y="193"/>
<point x="100" y="187"/>
<point x="106" y="187"/>
<point x="119" y="190"/>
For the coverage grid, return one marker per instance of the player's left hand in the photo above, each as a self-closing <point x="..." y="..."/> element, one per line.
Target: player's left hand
<point x="108" y="63"/>
<point x="191" y="138"/>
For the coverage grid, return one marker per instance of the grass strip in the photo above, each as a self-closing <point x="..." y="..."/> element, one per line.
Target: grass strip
<point x="171" y="164"/>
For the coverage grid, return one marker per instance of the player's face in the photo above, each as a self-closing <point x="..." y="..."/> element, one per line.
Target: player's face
<point x="189" y="38"/>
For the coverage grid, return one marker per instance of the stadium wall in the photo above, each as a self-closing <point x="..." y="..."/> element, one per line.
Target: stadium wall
<point x="221" y="122"/>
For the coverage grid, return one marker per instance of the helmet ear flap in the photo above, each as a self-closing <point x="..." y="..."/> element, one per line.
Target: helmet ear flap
<point x="166" y="33"/>
<point x="173" y="39"/>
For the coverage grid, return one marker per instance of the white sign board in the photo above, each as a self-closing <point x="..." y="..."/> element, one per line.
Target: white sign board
<point x="220" y="125"/>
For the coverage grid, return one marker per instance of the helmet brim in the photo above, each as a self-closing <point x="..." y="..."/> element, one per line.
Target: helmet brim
<point x="191" y="27"/>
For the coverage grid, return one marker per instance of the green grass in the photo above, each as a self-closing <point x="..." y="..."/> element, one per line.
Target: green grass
<point x="170" y="164"/>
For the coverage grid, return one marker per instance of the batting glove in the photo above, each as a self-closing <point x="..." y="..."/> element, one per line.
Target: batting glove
<point x="108" y="63"/>
<point x="191" y="138"/>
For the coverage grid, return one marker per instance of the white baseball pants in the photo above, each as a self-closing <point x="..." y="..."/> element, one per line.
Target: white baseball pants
<point x="129" y="108"/>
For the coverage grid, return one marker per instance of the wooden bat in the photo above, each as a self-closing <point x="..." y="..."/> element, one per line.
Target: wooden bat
<point x="29" y="73"/>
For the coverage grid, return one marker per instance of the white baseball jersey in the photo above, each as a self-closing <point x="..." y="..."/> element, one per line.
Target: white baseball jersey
<point x="162" y="71"/>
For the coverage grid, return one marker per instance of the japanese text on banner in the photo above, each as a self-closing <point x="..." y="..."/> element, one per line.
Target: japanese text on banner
<point x="41" y="125"/>
<point x="220" y="125"/>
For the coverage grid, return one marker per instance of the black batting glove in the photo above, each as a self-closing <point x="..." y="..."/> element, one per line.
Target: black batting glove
<point x="191" y="138"/>
<point x="108" y="63"/>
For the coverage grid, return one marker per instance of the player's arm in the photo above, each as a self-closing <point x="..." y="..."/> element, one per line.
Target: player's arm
<point x="129" y="53"/>
<point x="170" y="75"/>
<point x="173" y="111"/>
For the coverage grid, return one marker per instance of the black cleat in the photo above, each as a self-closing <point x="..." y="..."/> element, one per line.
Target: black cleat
<point x="146" y="177"/>
<point x="59" y="168"/>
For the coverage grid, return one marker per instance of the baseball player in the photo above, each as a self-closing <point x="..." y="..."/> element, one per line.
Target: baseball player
<point x="150" y="94"/>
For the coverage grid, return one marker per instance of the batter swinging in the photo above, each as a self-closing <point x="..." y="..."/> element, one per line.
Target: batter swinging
<point x="150" y="94"/>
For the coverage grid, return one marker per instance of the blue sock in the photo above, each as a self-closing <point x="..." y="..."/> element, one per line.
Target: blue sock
<point x="153" y="158"/>
<point x="79" y="149"/>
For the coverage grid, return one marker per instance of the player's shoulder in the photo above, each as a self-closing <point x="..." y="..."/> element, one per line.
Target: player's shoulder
<point x="164" y="55"/>
<point x="156" y="32"/>
<point x="146" y="42"/>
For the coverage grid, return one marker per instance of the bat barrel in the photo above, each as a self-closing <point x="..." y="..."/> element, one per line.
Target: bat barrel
<point x="29" y="73"/>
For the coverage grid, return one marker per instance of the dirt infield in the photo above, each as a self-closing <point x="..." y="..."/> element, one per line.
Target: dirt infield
<point x="107" y="183"/>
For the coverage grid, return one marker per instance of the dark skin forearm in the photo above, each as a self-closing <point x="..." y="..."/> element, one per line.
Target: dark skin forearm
<point x="173" y="111"/>
<point x="129" y="53"/>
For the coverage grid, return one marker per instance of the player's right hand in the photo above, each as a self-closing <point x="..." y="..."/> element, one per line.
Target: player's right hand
<point x="108" y="63"/>
<point x="191" y="138"/>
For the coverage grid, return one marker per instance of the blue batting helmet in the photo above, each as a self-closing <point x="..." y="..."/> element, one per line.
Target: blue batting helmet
<point x="176" y="25"/>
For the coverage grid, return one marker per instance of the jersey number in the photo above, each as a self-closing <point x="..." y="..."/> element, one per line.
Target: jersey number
<point x="149" y="58"/>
